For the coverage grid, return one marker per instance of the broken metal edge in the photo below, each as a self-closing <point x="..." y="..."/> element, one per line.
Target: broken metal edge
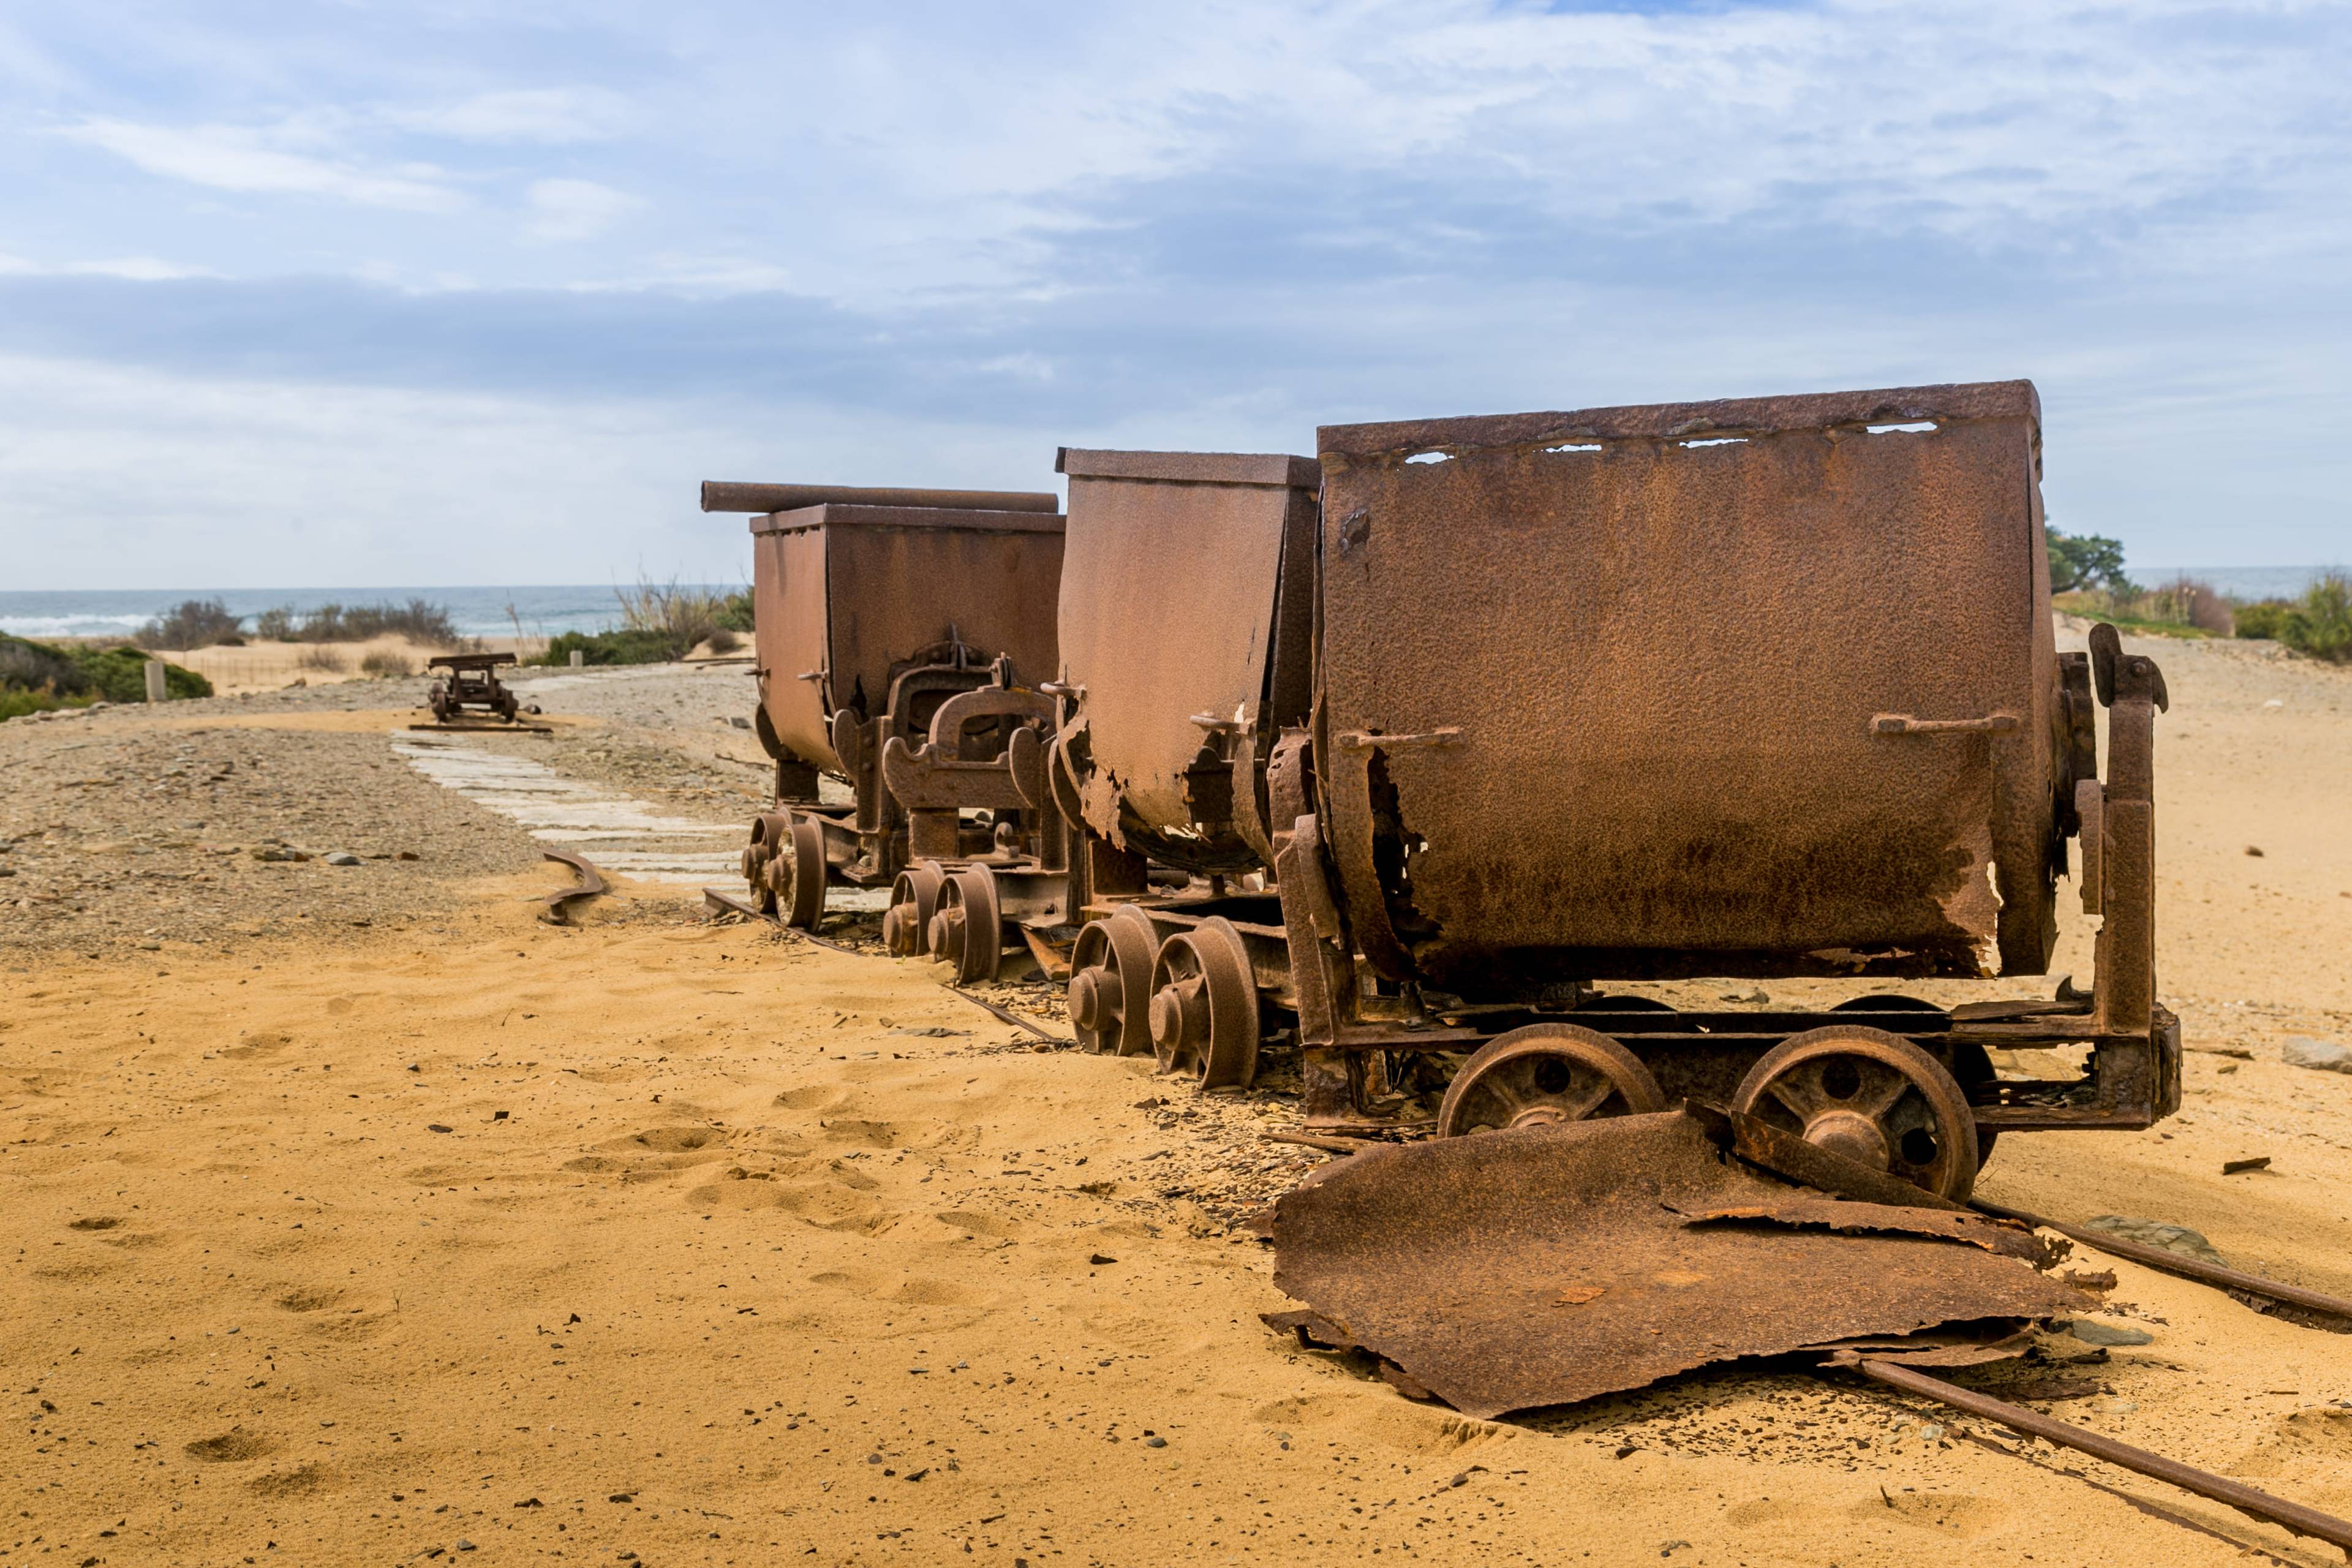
<point x="1273" y="468"/>
<point x="1790" y="1158"/>
<point x="1684" y="421"/>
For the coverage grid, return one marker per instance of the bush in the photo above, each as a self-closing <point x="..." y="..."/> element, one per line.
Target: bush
<point x="37" y="667"/>
<point x="325" y="658"/>
<point x="2321" y="622"/>
<point x="735" y="610"/>
<point x="15" y="704"/>
<point x="120" y="674"/>
<point x="191" y="623"/>
<point x="418" y="620"/>
<point x="681" y="617"/>
<point x="2190" y="602"/>
<point x="2265" y="618"/>
<point x="724" y="641"/>
<point x="383" y="662"/>
<point x="2144" y="614"/>
<point x="608" y="648"/>
<point x="71" y="676"/>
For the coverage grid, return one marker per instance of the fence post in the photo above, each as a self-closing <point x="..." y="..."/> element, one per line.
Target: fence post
<point x="579" y="658"/>
<point x="154" y="680"/>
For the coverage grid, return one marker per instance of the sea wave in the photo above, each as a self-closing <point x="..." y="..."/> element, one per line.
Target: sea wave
<point x="71" y="626"/>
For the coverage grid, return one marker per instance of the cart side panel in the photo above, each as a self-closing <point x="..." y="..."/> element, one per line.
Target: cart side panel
<point x="1167" y="611"/>
<point x="1663" y="634"/>
<point x="788" y="619"/>
<point x="900" y="581"/>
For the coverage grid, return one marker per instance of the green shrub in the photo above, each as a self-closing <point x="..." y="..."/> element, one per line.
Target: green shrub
<point x="735" y="610"/>
<point x="36" y="676"/>
<point x="418" y="620"/>
<point x="37" y="667"/>
<point x="2264" y="618"/>
<point x="120" y="674"/>
<point x="2142" y="615"/>
<point x="190" y="624"/>
<point x="2321" y="622"/>
<point x="624" y="647"/>
<point x="682" y="617"/>
<point x="15" y="704"/>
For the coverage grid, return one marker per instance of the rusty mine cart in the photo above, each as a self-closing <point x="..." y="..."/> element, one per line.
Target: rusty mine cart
<point x="471" y="680"/>
<point x="1515" y="707"/>
<point x="893" y="631"/>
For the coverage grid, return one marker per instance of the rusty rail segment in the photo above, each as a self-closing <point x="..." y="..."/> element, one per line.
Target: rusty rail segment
<point x="727" y="495"/>
<point x="2315" y="1303"/>
<point x="2289" y="1516"/>
<point x="590" y="884"/>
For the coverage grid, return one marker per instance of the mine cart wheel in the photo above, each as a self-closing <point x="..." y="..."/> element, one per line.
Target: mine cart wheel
<point x="1204" y="1006"/>
<point x="1110" y="984"/>
<point x="800" y="890"/>
<point x="1872" y="1097"/>
<point x="1544" y="1073"/>
<point x="914" y="898"/>
<point x="760" y="866"/>
<point x="963" y="928"/>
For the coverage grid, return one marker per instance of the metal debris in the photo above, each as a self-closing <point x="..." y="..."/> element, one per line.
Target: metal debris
<point x="591" y="884"/>
<point x="1549" y="1264"/>
<point x="2290" y="1516"/>
<point x="2275" y="1298"/>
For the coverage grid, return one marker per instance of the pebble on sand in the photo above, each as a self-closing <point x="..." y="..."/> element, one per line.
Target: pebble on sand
<point x="2176" y="1238"/>
<point x="2092" y="1333"/>
<point x="2302" y="1051"/>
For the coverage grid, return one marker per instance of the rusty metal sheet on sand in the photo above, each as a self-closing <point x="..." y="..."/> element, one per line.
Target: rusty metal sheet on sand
<point x="1547" y="1265"/>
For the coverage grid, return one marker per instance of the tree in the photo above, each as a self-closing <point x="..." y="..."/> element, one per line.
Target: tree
<point x="2084" y="561"/>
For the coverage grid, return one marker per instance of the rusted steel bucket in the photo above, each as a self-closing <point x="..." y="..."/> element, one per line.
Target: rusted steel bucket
<point x="1186" y="616"/>
<point x="1755" y="687"/>
<point x="879" y="615"/>
<point x="848" y="598"/>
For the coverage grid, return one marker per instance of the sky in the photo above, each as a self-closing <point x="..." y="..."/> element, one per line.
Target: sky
<point x="459" y="291"/>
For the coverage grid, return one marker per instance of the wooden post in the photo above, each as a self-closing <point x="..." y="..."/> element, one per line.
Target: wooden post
<point x="154" y="680"/>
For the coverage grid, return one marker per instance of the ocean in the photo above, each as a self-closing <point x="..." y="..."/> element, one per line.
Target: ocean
<point x="542" y="611"/>
<point x="545" y="611"/>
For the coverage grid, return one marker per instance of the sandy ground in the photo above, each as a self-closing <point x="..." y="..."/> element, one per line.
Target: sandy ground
<point x="659" y="1242"/>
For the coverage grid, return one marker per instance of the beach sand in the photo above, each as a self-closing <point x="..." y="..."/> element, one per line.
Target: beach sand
<point x="703" y="1245"/>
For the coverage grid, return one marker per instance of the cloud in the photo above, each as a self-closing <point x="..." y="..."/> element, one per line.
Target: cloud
<point x="1224" y="226"/>
<point x="271" y="484"/>
<point x="561" y="210"/>
<point x="234" y="158"/>
<point x="553" y="117"/>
